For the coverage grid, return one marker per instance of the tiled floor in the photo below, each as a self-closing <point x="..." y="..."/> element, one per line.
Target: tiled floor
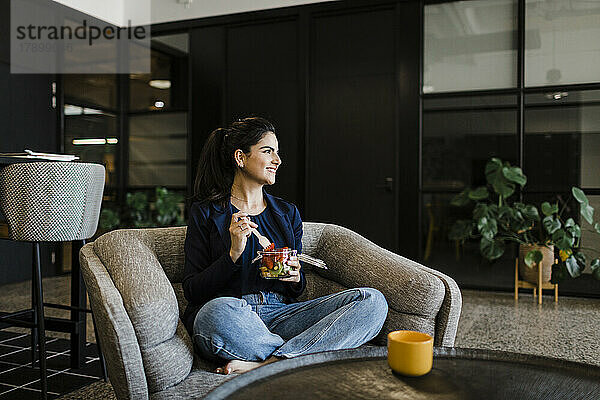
<point x="19" y="381"/>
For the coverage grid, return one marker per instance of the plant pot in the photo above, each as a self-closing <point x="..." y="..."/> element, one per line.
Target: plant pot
<point x="531" y="274"/>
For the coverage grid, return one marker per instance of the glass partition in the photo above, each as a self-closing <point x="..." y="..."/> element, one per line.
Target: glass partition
<point x="562" y="140"/>
<point x="563" y="40"/>
<point x="470" y="45"/>
<point x="461" y="134"/>
<point x="158" y="104"/>
<point x="91" y="123"/>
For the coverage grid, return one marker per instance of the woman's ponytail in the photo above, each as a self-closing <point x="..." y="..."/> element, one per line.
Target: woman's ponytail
<point x="215" y="176"/>
<point x="216" y="166"/>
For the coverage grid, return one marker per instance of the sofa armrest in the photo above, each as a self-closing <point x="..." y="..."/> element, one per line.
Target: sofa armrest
<point x="117" y="336"/>
<point x="409" y="287"/>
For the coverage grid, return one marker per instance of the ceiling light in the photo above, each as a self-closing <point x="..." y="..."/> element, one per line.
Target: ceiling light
<point x="91" y="111"/>
<point x="159" y="104"/>
<point x="556" y="95"/>
<point x="89" y="141"/>
<point x="73" y="110"/>
<point x="160" y="83"/>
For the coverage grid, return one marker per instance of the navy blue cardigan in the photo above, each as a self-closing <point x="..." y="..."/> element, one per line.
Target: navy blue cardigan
<point x="209" y="271"/>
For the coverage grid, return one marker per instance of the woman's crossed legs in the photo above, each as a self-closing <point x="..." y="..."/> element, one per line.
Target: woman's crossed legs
<point x="249" y="335"/>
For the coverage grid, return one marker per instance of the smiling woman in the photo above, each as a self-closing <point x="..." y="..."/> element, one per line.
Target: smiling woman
<point x="234" y="313"/>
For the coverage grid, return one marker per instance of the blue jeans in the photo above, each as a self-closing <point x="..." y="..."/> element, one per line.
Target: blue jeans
<point x="261" y="325"/>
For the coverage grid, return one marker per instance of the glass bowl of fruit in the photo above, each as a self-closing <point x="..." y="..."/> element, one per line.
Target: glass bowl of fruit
<point x="273" y="263"/>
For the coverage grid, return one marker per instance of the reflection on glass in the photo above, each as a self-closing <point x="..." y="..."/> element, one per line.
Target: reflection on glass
<point x="462" y="261"/>
<point x="157" y="150"/>
<point x="563" y="42"/>
<point x="93" y="136"/>
<point x="589" y="238"/>
<point x="95" y="90"/>
<point x="470" y="45"/>
<point x="458" y="141"/>
<point x="165" y="87"/>
<point x="562" y="140"/>
<point x="158" y="117"/>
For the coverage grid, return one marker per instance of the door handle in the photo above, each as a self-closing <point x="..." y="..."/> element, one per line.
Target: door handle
<point x="388" y="185"/>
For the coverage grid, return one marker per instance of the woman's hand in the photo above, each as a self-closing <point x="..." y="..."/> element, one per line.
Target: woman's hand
<point x="239" y="230"/>
<point x="294" y="272"/>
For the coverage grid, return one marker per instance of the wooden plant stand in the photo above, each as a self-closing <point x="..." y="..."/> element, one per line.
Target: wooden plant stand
<point x="536" y="288"/>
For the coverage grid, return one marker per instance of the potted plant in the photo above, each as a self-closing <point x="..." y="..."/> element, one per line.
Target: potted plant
<point x="139" y="212"/>
<point x="497" y="220"/>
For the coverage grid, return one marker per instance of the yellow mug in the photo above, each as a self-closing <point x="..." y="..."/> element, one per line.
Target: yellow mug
<point x="410" y="353"/>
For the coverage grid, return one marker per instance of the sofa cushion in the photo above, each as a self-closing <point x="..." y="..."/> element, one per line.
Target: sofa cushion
<point x="168" y="244"/>
<point x="354" y="261"/>
<point x="151" y="305"/>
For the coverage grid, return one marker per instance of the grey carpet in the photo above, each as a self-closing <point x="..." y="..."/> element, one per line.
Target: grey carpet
<point x="567" y="330"/>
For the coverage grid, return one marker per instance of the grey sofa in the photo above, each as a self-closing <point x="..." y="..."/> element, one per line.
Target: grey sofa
<point x="134" y="282"/>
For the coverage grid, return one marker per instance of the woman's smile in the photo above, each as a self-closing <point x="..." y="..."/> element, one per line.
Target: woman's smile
<point x="263" y="161"/>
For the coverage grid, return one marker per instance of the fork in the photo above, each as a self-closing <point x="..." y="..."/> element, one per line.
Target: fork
<point x="263" y="240"/>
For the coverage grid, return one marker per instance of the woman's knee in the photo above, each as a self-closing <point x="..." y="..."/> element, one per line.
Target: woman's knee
<point x="376" y="302"/>
<point x="227" y="327"/>
<point x="218" y="314"/>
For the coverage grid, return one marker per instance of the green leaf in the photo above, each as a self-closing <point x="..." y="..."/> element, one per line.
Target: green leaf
<point x="461" y="230"/>
<point x="597" y="227"/>
<point x="461" y="199"/>
<point x="533" y="258"/>
<point x="549" y="209"/>
<point x="562" y="240"/>
<point x="109" y="219"/>
<point x="595" y="267"/>
<point x="531" y="213"/>
<point x="495" y="177"/>
<point x="579" y="195"/>
<point x="487" y="227"/>
<point x="573" y="267"/>
<point x="514" y="174"/>
<point x="491" y="249"/>
<point x="493" y="210"/>
<point x="575" y="231"/>
<point x="551" y="224"/>
<point x="573" y="228"/>
<point x="493" y="169"/>
<point x="588" y="213"/>
<point x="506" y="213"/>
<point x="481" y="193"/>
<point x="481" y="210"/>
<point x="581" y="259"/>
<point x="505" y="189"/>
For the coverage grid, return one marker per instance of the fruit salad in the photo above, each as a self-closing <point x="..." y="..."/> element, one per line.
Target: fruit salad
<point x="274" y="262"/>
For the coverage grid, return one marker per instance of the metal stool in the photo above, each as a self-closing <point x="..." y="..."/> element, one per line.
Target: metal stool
<point x="49" y="202"/>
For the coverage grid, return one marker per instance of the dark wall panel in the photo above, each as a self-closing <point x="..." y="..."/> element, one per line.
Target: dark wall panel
<point x="207" y="58"/>
<point x="352" y="136"/>
<point x="262" y="80"/>
<point x="29" y="123"/>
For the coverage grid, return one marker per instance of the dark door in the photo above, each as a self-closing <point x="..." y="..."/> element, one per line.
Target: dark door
<point x="352" y="129"/>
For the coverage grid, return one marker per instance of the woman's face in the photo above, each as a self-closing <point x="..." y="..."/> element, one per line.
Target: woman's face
<point x="263" y="160"/>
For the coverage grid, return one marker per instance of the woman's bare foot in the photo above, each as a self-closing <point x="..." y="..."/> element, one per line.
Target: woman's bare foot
<point x="239" y="366"/>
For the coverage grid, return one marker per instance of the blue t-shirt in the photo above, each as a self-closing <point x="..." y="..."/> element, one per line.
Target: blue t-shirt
<point x="250" y="279"/>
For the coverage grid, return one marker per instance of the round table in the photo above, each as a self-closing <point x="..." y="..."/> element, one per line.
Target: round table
<point x="457" y="374"/>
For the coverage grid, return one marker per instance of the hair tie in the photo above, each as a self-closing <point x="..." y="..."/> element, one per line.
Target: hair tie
<point x="223" y="132"/>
